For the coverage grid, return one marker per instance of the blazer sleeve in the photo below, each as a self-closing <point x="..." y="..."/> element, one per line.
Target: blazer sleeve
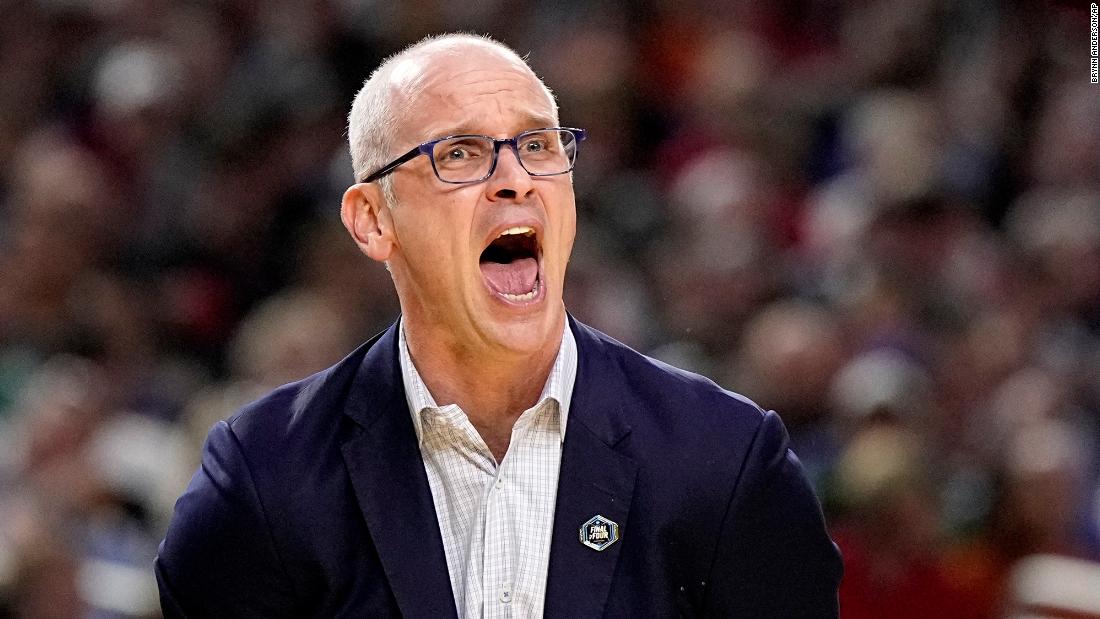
<point x="775" y="558"/>
<point x="218" y="558"/>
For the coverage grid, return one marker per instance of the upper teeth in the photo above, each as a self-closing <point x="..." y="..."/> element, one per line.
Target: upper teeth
<point x="518" y="230"/>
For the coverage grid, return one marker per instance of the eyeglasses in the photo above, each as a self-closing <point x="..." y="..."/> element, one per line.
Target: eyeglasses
<point x="473" y="158"/>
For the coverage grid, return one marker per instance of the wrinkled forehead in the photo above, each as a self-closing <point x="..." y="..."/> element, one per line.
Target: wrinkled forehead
<point x="460" y="83"/>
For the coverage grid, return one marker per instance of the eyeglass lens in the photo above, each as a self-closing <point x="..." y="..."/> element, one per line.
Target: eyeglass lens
<point x="541" y="153"/>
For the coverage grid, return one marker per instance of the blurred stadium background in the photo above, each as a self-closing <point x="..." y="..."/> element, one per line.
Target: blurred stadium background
<point x="880" y="218"/>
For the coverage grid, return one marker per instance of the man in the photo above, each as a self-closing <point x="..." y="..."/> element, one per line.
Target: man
<point x="488" y="455"/>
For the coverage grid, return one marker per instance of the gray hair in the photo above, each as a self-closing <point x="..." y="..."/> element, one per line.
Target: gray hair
<point x="375" y="113"/>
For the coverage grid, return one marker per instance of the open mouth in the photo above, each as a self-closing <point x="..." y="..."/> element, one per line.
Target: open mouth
<point x="510" y="265"/>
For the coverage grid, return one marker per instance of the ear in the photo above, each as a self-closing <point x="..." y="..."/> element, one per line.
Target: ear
<point x="368" y="220"/>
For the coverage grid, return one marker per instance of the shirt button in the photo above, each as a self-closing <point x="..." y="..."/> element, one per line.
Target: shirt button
<point x="500" y="482"/>
<point x="506" y="593"/>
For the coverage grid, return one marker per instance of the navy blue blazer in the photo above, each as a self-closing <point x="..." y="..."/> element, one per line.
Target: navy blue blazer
<point x="313" y="501"/>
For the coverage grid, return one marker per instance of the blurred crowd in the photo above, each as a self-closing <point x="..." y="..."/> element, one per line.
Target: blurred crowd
<point x="879" y="218"/>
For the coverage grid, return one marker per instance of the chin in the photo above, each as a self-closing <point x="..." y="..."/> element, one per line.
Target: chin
<point x="529" y="331"/>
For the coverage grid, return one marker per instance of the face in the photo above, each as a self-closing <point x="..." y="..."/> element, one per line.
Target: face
<point x="456" y="275"/>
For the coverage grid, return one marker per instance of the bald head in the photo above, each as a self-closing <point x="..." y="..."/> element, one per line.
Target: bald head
<point x="376" y="123"/>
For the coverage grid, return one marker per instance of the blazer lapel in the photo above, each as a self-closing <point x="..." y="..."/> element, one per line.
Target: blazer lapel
<point x="387" y="472"/>
<point x="595" y="480"/>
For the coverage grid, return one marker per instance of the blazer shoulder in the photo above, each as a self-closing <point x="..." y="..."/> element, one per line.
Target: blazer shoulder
<point x="658" y="382"/>
<point x="314" y="403"/>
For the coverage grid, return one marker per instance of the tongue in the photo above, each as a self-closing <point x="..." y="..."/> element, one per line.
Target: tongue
<point x="516" y="277"/>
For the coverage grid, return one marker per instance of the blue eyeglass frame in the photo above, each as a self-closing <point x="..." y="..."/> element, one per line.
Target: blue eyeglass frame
<point x="427" y="147"/>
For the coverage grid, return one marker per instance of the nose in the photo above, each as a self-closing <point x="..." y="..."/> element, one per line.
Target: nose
<point x="509" y="180"/>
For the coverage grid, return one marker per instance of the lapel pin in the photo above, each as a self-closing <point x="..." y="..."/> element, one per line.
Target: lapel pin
<point x="599" y="533"/>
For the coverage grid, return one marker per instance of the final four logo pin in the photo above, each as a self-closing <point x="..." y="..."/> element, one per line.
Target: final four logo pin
<point x="599" y="533"/>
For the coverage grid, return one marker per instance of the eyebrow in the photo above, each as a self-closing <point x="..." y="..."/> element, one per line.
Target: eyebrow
<point x="531" y="120"/>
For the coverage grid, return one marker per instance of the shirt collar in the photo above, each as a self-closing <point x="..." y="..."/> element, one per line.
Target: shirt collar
<point x="558" y="387"/>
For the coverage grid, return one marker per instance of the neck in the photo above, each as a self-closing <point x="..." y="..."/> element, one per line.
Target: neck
<point x="492" y="386"/>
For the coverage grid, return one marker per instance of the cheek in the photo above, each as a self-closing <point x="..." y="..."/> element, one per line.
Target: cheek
<point x="565" y="246"/>
<point x="567" y="226"/>
<point x="435" y="236"/>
